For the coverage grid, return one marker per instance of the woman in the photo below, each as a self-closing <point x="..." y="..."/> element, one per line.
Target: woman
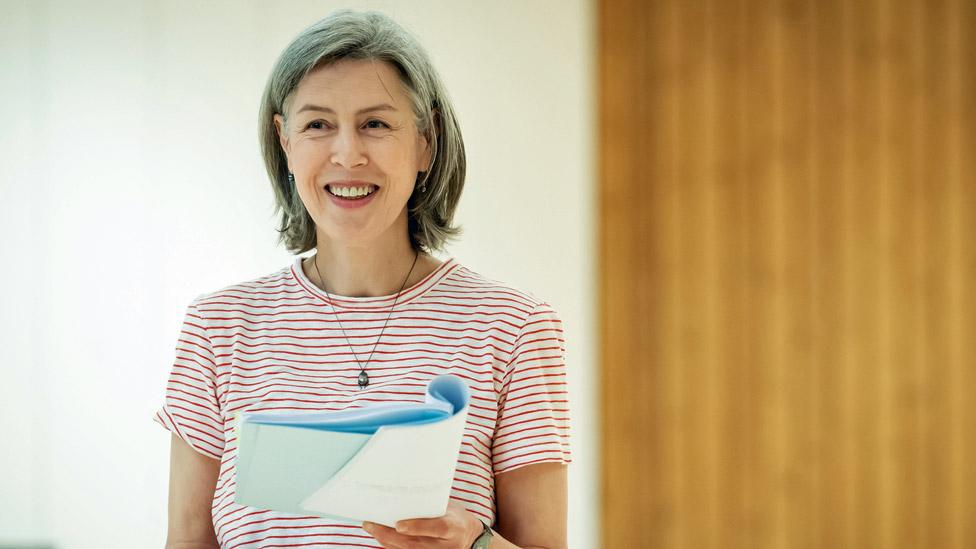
<point x="367" y="163"/>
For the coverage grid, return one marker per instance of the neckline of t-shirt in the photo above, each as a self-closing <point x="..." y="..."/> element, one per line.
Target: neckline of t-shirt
<point x="378" y="302"/>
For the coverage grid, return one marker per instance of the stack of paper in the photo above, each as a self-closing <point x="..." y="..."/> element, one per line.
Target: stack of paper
<point x="379" y="463"/>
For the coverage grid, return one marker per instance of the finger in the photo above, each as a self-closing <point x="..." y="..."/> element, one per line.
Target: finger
<point x="432" y="528"/>
<point x="390" y="538"/>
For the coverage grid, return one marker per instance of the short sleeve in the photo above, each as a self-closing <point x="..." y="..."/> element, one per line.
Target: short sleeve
<point x="191" y="410"/>
<point x="533" y="402"/>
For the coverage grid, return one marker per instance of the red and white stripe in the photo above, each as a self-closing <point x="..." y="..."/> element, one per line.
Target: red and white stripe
<point x="274" y="344"/>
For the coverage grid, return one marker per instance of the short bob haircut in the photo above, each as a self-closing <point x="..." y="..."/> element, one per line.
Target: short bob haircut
<point x="346" y="34"/>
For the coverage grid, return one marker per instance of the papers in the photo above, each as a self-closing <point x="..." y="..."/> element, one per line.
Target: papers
<point x="379" y="463"/>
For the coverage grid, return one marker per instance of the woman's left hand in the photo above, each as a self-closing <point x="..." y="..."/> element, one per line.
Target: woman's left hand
<point x="457" y="529"/>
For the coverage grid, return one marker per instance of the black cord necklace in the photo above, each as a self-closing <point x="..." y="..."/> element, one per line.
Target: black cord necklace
<point x="363" y="376"/>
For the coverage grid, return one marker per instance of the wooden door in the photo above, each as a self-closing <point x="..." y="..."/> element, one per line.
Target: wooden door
<point x="788" y="273"/>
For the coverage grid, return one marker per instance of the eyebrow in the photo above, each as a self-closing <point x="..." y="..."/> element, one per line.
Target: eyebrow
<point x="374" y="108"/>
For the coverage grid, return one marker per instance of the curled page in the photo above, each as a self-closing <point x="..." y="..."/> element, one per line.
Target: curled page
<point x="379" y="463"/>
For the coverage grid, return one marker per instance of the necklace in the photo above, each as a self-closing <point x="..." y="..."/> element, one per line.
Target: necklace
<point x="363" y="377"/>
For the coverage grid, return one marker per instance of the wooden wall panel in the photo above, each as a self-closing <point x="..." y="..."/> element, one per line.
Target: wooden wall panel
<point x="788" y="273"/>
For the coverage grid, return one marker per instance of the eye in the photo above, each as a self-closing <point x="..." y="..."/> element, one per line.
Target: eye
<point x="375" y="124"/>
<point x="315" y="125"/>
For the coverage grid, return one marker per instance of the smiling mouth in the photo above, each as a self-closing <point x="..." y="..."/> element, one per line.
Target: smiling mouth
<point x="352" y="192"/>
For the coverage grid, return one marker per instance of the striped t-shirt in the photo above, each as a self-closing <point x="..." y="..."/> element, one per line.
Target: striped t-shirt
<point x="274" y="344"/>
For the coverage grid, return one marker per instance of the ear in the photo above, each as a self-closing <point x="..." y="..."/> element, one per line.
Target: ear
<point x="424" y="154"/>
<point x="426" y="150"/>
<point x="279" y="123"/>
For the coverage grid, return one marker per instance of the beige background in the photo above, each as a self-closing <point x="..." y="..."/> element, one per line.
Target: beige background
<point x="131" y="182"/>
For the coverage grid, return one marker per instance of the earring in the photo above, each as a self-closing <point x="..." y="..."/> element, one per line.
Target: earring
<point x="291" y="178"/>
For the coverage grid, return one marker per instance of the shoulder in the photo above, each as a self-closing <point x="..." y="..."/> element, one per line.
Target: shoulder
<point x="480" y="289"/>
<point x="267" y="289"/>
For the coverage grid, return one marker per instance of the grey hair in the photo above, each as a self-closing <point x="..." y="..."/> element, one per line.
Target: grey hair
<point x="346" y="34"/>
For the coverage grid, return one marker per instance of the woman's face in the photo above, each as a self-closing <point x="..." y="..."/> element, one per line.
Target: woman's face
<point x="351" y="125"/>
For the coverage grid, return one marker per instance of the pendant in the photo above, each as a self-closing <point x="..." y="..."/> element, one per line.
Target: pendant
<point x="363" y="379"/>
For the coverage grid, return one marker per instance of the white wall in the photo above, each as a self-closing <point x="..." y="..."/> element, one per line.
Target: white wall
<point x="130" y="182"/>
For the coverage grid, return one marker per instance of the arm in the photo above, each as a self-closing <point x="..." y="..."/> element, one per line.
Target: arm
<point x="531" y="507"/>
<point x="192" y="479"/>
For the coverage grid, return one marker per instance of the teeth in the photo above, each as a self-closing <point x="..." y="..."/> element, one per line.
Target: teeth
<point x="351" y="192"/>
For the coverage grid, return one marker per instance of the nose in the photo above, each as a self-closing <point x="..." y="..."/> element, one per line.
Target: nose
<point x="347" y="148"/>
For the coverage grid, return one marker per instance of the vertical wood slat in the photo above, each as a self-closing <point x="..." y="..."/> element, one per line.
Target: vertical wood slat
<point x="788" y="273"/>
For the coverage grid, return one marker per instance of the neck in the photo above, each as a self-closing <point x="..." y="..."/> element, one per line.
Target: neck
<point x="373" y="270"/>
